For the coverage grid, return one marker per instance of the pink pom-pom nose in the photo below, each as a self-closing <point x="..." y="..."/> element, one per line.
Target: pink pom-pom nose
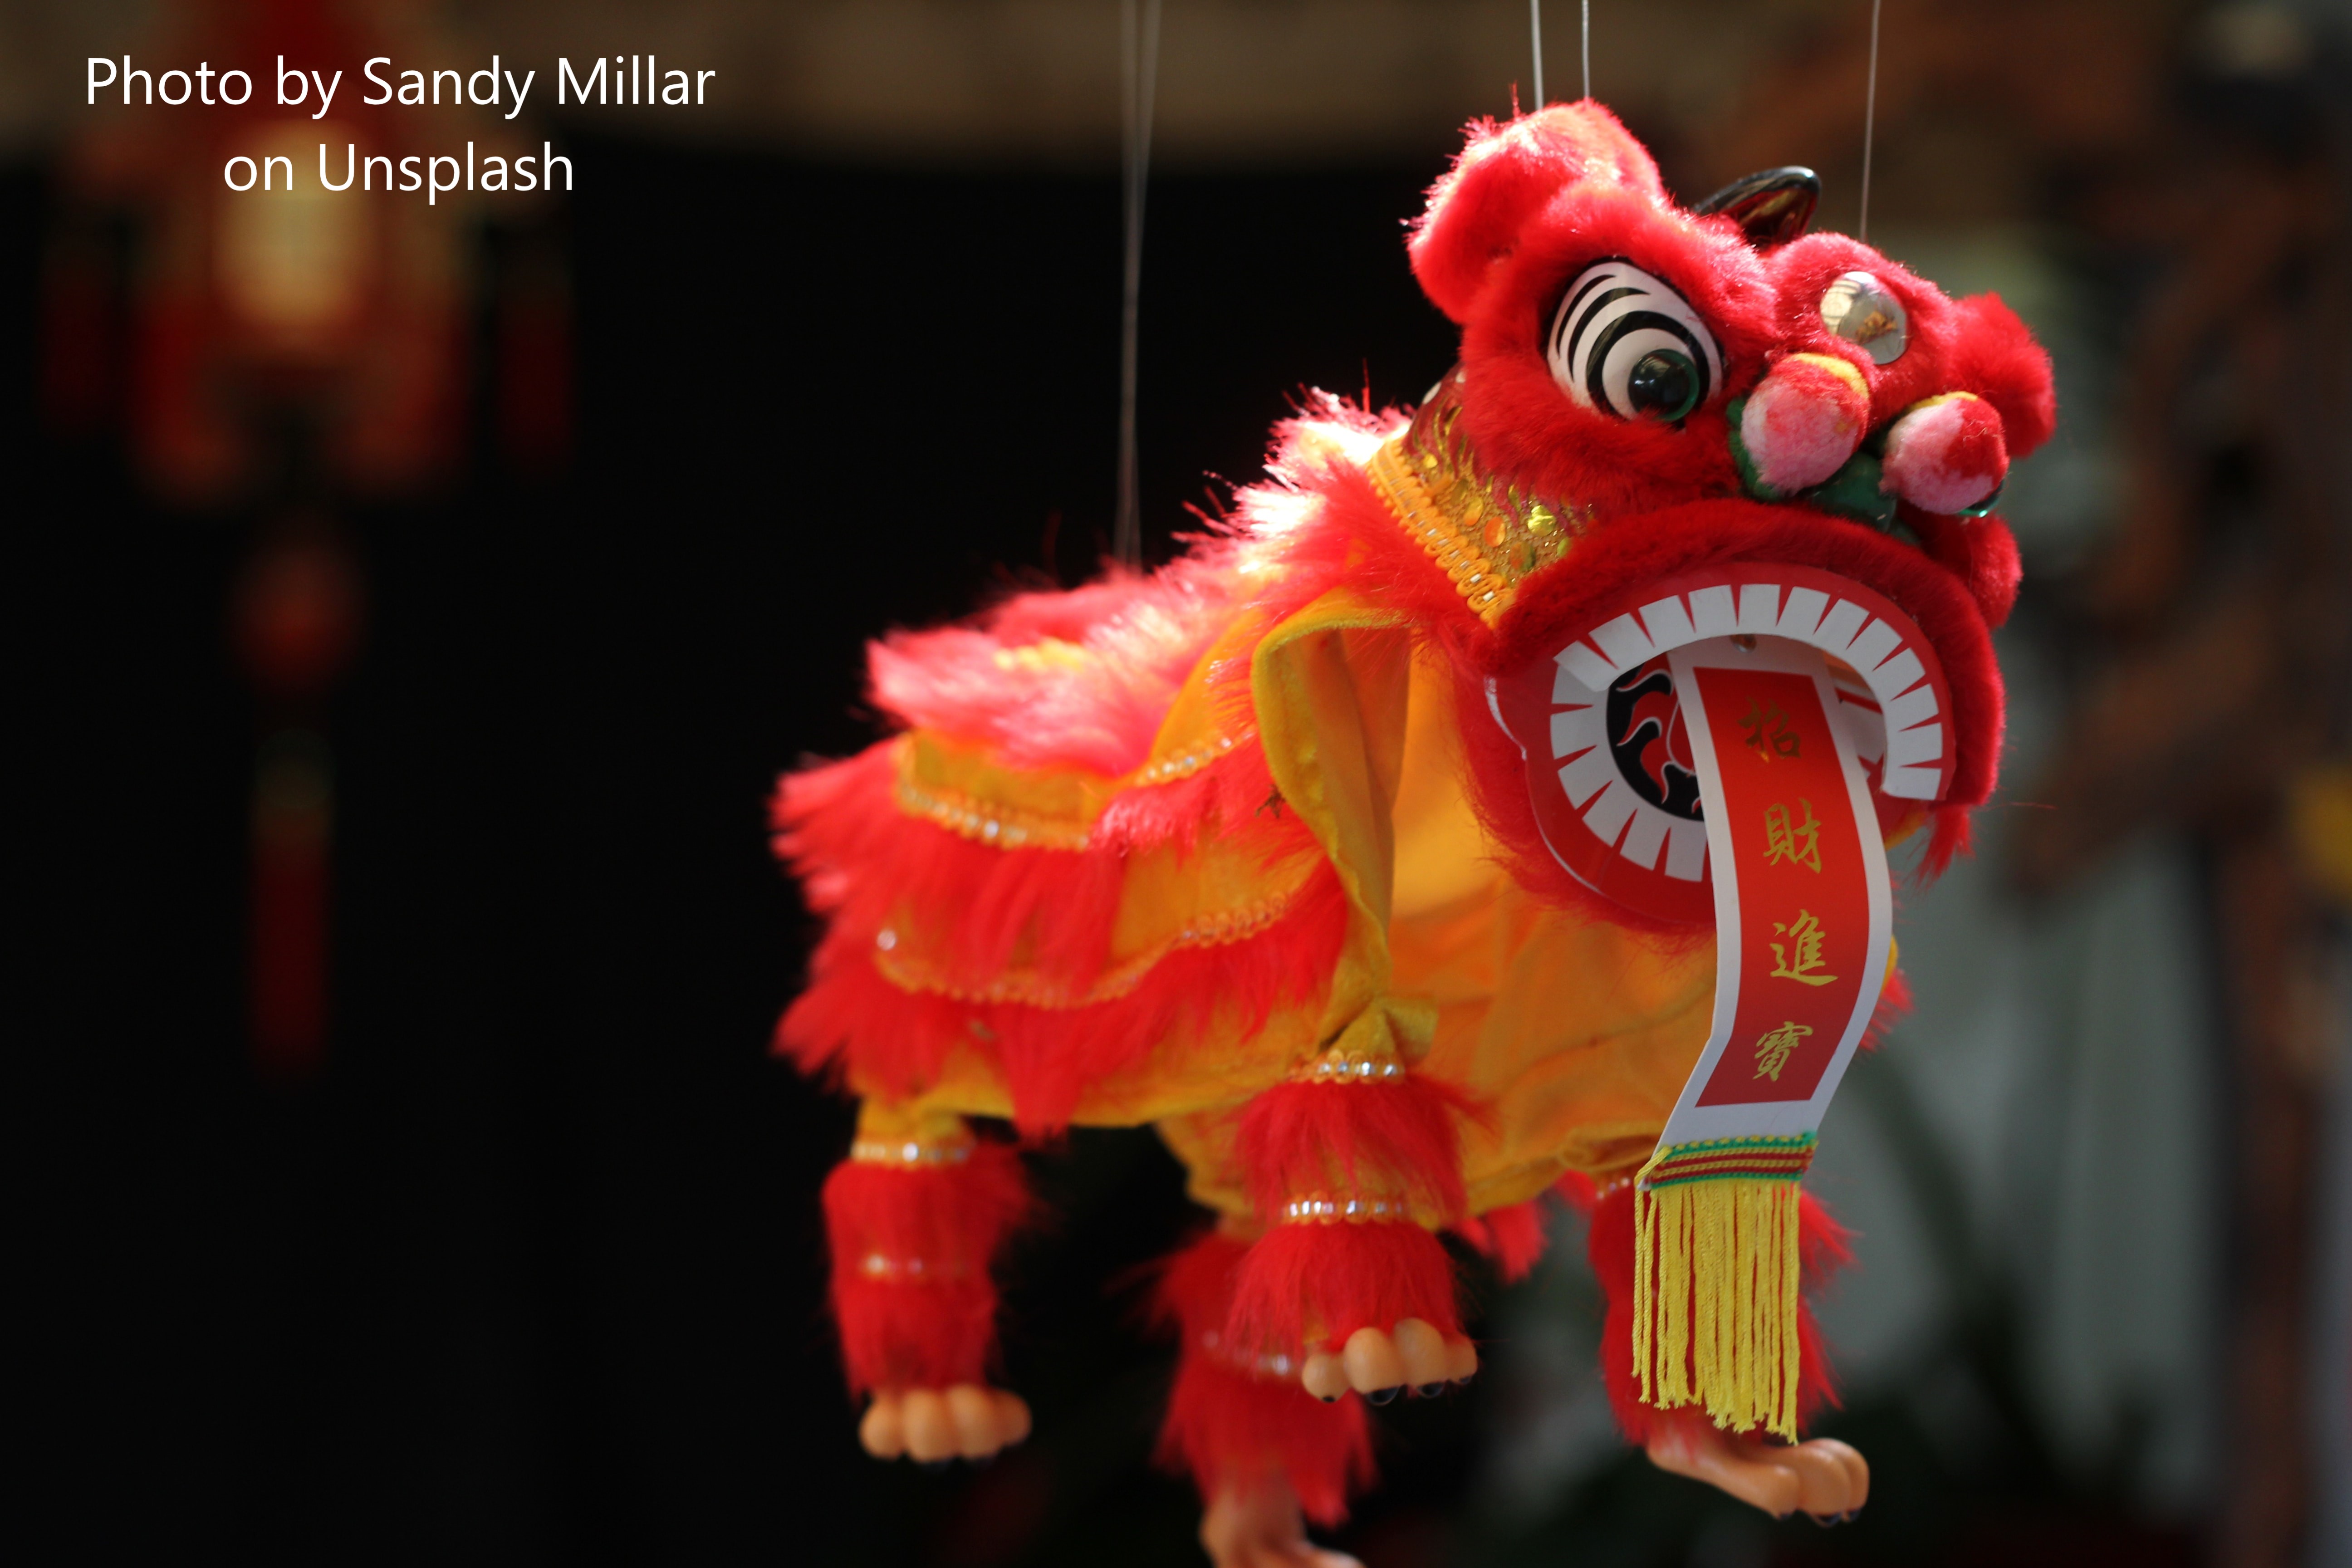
<point x="1803" y="421"/>
<point x="1946" y="455"/>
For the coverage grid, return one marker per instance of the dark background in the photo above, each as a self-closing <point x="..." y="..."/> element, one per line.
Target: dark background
<point x="531" y="1268"/>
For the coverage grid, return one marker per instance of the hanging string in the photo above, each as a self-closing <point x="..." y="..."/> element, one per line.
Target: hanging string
<point x="1869" y="124"/>
<point x="1584" y="27"/>
<point x="1138" y="34"/>
<point x="1535" y="26"/>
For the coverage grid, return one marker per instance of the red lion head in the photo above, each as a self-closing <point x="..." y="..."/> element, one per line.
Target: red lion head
<point x="1707" y="394"/>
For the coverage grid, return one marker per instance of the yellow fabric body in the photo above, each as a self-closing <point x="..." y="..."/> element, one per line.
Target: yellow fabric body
<point x="1576" y="1034"/>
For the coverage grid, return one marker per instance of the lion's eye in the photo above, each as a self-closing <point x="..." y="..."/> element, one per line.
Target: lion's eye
<point x="1627" y="343"/>
<point x="1865" y="313"/>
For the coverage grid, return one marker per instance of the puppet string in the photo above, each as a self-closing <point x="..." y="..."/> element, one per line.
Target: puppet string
<point x="1869" y="123"/>
<point x="1584" y="31"/>
<point x="1535" y="33"/>
<point x="1139" y="60"/>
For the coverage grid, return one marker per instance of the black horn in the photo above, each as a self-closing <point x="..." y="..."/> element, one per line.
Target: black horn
<point x="1772" y="207"/>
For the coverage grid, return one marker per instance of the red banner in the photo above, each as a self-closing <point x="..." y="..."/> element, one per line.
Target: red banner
<point x="1804" y="897"/>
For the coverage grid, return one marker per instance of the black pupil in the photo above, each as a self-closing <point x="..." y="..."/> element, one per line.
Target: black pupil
<point x="1663" y="384"/>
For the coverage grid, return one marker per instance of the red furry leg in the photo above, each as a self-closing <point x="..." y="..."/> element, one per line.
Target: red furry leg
<point x="911" y="1247"/>
<point x="1824" y="1241"/>
<point x="1340" y="1174"/>
<point x="1233" y="1422"/>
<point x="1308" y="1287"/>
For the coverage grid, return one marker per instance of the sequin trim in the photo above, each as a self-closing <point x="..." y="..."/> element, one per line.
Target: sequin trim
<point x="1271" y="1365"/>
<point x="1185" y="765"/>
<point x="1485" y="539"/>
<point x="1214" y="929"/>
<point x="1317" y="1208"/>
<point x="881" y="1266"/>
<point x="908" y="1151"/>
<point x="985" y="824"/>
<point x="1336" y="1065"/>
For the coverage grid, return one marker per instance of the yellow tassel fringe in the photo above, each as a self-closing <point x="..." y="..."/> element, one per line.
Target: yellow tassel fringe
<point x="1715" y="1281"/>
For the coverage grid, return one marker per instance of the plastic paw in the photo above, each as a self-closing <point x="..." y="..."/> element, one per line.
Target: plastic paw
<point x="1824" y="1476"/>
<point x="1380" y="1365"/>
<point x="933" y="1425"/>
<point x="1260" y="1527"/>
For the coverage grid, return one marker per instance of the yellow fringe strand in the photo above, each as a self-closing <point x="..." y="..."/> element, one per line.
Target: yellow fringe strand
<point x="1716" y="1280"/>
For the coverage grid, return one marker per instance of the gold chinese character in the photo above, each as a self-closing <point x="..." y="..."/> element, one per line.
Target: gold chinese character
<point x="1794" y="843"/>
<point x="1804" y="934"/>
<point x="1769" y="735"/>
<point x="1775" y="1047"/>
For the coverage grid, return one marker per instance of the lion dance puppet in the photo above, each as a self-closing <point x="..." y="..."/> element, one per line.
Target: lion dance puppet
<point x="1496" y="801"/>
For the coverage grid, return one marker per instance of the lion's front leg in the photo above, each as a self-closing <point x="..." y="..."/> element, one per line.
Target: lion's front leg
<point x="1352" y="1165"/>
<point x="914" y="1218"/>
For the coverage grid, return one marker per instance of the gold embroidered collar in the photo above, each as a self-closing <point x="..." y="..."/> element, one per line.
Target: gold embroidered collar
<point x="1487" y="537"/>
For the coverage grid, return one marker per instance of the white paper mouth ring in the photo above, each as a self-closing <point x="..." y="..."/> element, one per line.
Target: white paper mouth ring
<point x="1604" y="803"/>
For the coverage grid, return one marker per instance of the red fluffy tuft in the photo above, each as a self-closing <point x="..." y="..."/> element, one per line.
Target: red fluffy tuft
<point x="1995" y="356"/>
<point x="1479" y="209"/>
<point x="1951" y="835"/>
<point x="911" y="1250"/>
<point x="1386" y="1140"/>
<point x="1823" y="1245"/>
<point x="1894" y="1006"/>
<point x="1579" y="1191"/>
<point x="893" y="1042"/>
<point x="1226" y="800"/>
<point x="1980" y="551"/>
<point x="1511" y="1237"/>
<point x="967" y="907"/>
<point x="1115" y="652"/>
<point x="1321" y="1282"/>
<point x="1227" y="1425"/>
<point x="1306" y="1287"/>
<point x="1334" y="528"/>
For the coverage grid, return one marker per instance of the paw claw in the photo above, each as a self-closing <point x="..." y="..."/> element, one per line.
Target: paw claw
<point x="1824" y="1479"/>
<point x="1324" y="1376"/>
<point x="1379" y="1364"/>
<point x="936" y="1426"/>
<point x="1372" y="1362"/>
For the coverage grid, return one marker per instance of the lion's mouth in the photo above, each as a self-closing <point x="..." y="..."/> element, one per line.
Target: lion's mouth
<point x="1596" y="717"/>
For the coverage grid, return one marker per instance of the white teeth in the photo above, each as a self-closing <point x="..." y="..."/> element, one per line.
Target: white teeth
<point x="1565" y="730"/>
<point x="1803" y="613"/>
<point x="1669" y="623"/>
<point x="1647" y="835"/>
<point x="1615" y="808"/>
<point x="1591" y="773"/>
<point x="1588" y="670"/>
<point x="1907" y="749"/>
<point x="1625" y="642"/>
<point x="1864" y="725"/>
<point x="1869" y="650"/>
<point x="1712" y="614"/>
<point x="1685" y="849"/>
<point x="1844" y="620"/>
<point x="1899" y="720"/>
